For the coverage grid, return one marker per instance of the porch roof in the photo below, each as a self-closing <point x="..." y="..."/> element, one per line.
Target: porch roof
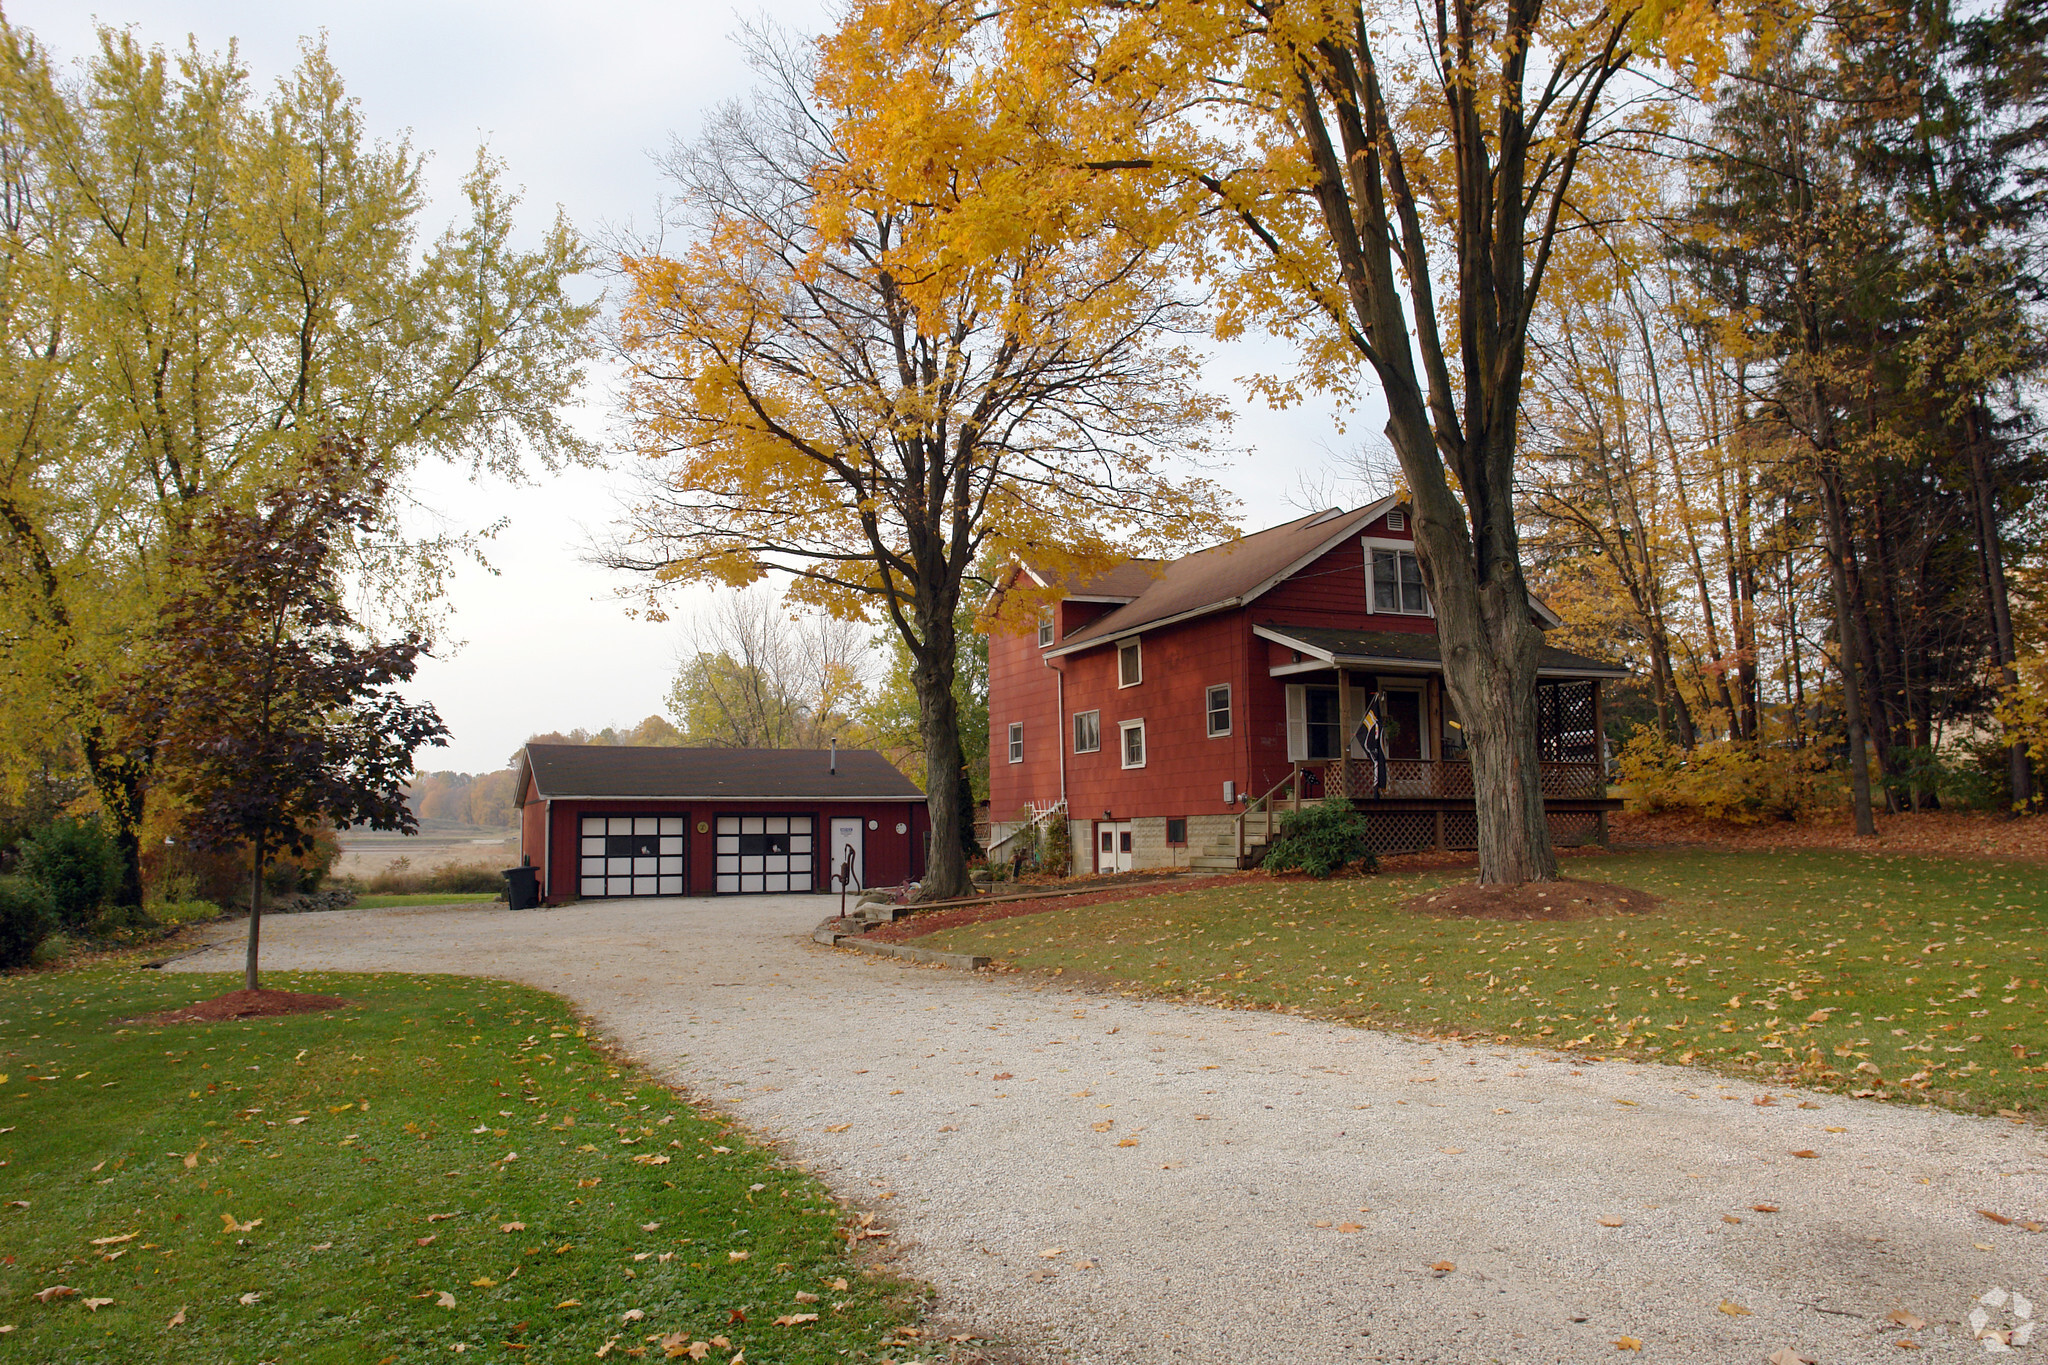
<point x="1322" y="647"/>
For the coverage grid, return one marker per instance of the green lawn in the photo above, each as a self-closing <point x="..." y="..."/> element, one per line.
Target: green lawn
<point x="368" y="902"/>
<point x="450" y="1169"/>
<point x="1892" y="975"/>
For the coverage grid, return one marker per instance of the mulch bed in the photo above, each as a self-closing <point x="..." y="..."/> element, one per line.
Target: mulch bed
<point x="247" y="1005"/>
<point x="1564" y="899"/>
<point x="932" y="921"/>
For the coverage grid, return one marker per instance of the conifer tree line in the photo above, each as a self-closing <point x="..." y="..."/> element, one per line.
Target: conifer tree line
<point x="1783" y="443"/>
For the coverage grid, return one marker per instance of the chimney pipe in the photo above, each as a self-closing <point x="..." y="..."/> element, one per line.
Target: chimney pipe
<point x="835" y="755"/>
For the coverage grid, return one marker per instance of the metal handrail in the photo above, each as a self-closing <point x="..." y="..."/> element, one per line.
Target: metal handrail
<point x="1264" y="806"/>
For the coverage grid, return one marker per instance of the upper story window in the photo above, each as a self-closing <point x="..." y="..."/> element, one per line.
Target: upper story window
<point x="1016" y="741"/>
<point x="1087" y="731"/>
<point x="1219" y="710"/>
<point x="1133" y="742"/>
<point x="1130" y="664"/>
<point x="1045" y="630"/>
<point x="1397" y="583"/>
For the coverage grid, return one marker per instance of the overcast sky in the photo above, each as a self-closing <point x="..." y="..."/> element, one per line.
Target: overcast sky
<point x="574" y="98"/>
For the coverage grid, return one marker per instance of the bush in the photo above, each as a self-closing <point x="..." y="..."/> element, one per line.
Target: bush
<point x="1321" y="839"/>
<point x="398" y="879"/>
<point x="77" y="866"/>
<point x="1056" y="847"/>
<point x="1725" y="780"/>
<point x="25" y="922"/>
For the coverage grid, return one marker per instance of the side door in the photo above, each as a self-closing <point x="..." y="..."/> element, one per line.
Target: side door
<point x="849" y="839"/>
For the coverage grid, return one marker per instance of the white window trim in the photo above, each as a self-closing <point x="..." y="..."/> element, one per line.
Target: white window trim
<point x="1372" y="543"/>
<point x="1045" y="631"/>
<point x="1016" y="741"/>
<point x="1132" y="644"/>
<point x="1229" y="710"/>
<point x="1096" y="747"/>
<point x="1123" y="745"/>
<point x="1421" y="688"/>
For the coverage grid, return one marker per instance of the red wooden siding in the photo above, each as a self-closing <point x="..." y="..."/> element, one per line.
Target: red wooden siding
<point x="1021" y="688"/>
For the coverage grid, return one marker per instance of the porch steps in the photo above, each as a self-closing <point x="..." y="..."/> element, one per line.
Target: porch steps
<point x="1223" y="857"/>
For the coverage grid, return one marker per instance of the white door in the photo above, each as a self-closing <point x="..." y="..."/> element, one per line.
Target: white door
<point x="631" y="855"/>
<point x="848" y="837"/>
<point x="764" y="853"/>
<point x="1113" y="847"/>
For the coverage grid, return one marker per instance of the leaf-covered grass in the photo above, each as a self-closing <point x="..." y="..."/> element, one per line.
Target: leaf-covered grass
<point x="370" y="1162"/>
<point x="1865" y="973"/>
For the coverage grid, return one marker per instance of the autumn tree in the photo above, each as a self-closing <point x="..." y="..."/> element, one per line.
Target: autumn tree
<point x="824" y="387"/>
<point x="1384" y="185"/>
<point x="754" y="677"/>
<point x="201" y="284"/>
<point x="271" y="717"/>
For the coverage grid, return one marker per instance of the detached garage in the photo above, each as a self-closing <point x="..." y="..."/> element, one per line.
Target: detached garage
<point x="600" y="821"/>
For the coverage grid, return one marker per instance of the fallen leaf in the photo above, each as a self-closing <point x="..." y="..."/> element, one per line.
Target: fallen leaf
<point x="323" y="1246"/>
<point x="1997" y="1218"/>
<point x="1002" y="1076"/>
<point x="650" y="1227"/>
<point x="55" y="1291"/>
<point x="570" y="1303"/>
<point x="795" y="1319"/>
<point x="838" y="1286"/>
<point x="1051" y="1252"/>
<point x="1103" y="1126"/>
<point x="177" y="1319"/>
<point x="632" y="1315"/>
<point x="834" y="1128"/>
<point x="1350" y="1227"/>
<point x="1452" y="1151"/>
<point x="1785" y="1355"/>
<point x="1127" y="1142"/>
<point x="1983" y="1246"/>
<point x="1730" y="1218"/>
<point x="606" y="1349"/>
<point x="233" y="1226"/>
<point x="1764" y="1208"/>
<point x="1628" y="1343"/>
<point x="130" y="1236"/>
<point x="511" y="1227"/>
<point x="1899" y="1317"/>
<point x="250" y="1298"/>
<point x="441" y="1217"/>
<point x="737" y="1255"/>
<point x="1735" y="1310"/>
<point x="1802" y="1152"/>
<point x="805" y="1296"/>
<point x="1610" y="1222"/>
<point x="446" y="1300"/>
<point x="95" y="1305"/>
<point x="485" y="1283"/>
<point x="1444" y="1267"/>
<point x="191" y="1160"/>
<point x="427" y="1240"/>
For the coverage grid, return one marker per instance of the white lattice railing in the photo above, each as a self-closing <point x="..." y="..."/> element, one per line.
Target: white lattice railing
<point x="1040" y="815"/>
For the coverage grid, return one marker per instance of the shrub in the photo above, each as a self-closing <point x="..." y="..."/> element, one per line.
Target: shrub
<point x="76" y="865"/>
<point x="1056" y="847"/>
<point x="1726" y="780"/>
<point x="1320" y="839"/>
<point x="398" y="879"/>
<point x="25" y="922"/>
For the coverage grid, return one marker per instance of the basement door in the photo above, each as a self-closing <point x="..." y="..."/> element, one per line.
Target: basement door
<point x="1113" y="847"/>
<point x="631" y="855"/>
<point x="758" y="854"/>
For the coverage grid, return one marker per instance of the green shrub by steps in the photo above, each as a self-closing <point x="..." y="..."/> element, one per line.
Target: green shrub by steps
<point x="26" y="920"/>
<point x="1321" y="839"/>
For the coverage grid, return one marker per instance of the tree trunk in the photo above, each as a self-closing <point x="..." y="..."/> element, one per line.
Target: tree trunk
<point x="1835" y="519"/>
<point x="934" y="661"/>
<point x="255" y="912"/>
<point x="1991" y="566"/>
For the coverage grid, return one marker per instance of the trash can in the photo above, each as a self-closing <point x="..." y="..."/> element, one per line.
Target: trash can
<point x="522" y="887"/>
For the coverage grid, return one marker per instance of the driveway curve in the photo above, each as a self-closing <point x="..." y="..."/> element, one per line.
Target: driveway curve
<point x="1117" y="1180"/>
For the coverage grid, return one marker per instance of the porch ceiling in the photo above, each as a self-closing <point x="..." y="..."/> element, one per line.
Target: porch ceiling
<point x="1408" y="651"/>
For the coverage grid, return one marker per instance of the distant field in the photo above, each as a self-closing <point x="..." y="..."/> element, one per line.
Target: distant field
<point x="365" y="853"/>
<point x="432" y="898"/>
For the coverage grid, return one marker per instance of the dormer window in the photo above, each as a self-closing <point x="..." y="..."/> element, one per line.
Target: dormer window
<point x="1130" y="664"/>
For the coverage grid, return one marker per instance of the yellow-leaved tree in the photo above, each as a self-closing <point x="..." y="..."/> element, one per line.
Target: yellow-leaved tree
<point x="1380" y="182"/>
<point x="826" y="386"/>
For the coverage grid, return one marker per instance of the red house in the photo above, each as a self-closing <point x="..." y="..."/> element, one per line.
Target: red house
<point x="1168" y="709"/>
<point x="605" y="821"/>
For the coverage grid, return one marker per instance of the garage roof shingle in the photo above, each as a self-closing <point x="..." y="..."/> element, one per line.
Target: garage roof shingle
<point x="605" y="770"/>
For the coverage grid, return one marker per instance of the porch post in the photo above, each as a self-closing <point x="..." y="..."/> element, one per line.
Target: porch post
<point x="1343" y="733"/>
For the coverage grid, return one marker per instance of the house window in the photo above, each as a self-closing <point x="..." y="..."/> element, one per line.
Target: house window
<point x="1045" y="630"/>
<point x="1130" y="667"/>
<point x="1219" y="710"/>
<point x="1397" y="521"/>
<point x="1177" y="831"/>
<point x="1087" y="731"/>
<point x="1016" y="741"/>
<point x="1133" y="742"/>
<point x="1397" y="583"/>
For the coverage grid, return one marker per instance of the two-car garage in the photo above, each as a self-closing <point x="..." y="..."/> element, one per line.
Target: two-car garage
<point x="604" y="821"/>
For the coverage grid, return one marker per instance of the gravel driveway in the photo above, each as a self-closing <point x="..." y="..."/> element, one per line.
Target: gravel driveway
<point x="1118" y="1180"/>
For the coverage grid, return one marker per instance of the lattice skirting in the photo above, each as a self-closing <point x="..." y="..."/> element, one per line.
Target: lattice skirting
<point x="1414" y="831"/>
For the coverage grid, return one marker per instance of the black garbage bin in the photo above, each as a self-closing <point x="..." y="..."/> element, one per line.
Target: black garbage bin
<point x="522" y="887"/>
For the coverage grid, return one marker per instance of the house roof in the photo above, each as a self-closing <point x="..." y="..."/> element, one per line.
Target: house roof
<point x="1227" y="575"/>
<point x="606" y="771"/>
<point x="1322" y="646"/>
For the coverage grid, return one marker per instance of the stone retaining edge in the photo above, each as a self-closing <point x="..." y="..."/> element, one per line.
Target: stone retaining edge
<point x="964" y="961"/>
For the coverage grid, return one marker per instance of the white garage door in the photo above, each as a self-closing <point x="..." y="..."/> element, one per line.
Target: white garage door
<point x="759" y="853"/>
<point x="632" y="855"/>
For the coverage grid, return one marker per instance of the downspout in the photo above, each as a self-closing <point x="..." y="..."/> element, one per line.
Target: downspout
<point x="1060" y="734"/>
